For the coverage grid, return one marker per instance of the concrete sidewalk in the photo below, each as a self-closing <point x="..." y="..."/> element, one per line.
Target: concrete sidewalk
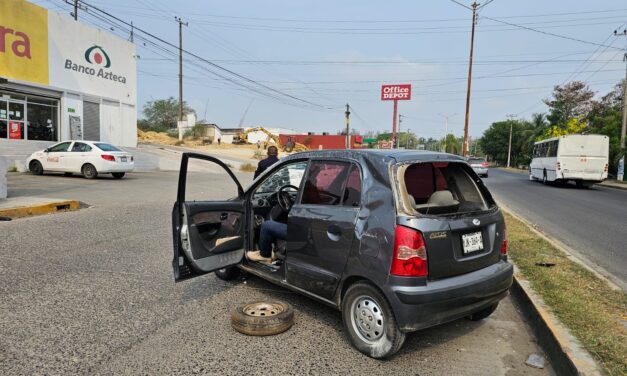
<point x="18" y="207"/>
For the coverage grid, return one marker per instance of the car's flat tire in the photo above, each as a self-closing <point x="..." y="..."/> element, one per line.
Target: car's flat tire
<point x="89" y="171"/>
<point x="228" y="274"/>
<point x="36" y="168"/>
<point x="263" y="318"/>
<point x="365" y="310"/>
<point x="117" y="175"/>
<point x="484" y="313"/>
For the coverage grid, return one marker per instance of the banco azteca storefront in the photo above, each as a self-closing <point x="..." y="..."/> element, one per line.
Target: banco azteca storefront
<point x="62" y="80"/>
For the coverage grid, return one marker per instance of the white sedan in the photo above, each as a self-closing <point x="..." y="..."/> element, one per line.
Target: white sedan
<point x="88" y="158"/>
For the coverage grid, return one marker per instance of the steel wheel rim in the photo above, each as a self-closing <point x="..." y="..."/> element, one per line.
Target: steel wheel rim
<point x="367" y="319"/>
<point x="263" y="309"/>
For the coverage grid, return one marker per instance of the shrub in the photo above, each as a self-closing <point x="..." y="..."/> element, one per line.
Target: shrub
<point x="247" y="167"/>
<point x="179" y="143"/>
<point x="258" y="154"/>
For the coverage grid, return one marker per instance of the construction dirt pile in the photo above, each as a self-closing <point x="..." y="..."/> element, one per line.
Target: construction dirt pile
<point x="155" y="137"/>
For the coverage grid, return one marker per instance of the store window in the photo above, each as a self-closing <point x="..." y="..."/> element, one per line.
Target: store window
<point x="28" y="117"/>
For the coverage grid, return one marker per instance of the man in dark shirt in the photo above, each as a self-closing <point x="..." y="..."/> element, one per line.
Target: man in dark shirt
<point x="273" y="153"/>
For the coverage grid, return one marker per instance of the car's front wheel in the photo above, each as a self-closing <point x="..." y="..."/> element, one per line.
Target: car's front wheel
<point x="36" y="168"/>
<point x="117" y="175"/>
<point x="369" y="321"/>
<point x="89" y="171"/>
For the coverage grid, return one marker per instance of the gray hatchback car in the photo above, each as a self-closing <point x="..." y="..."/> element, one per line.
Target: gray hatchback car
<point x="397" y="241"/>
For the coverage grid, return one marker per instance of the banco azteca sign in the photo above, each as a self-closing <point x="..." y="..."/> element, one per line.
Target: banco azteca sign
<point x="98" y="61"/>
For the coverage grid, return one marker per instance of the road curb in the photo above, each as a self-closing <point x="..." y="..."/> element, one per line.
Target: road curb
<point x="566" y="354"/>
<point x="39" y="209"/>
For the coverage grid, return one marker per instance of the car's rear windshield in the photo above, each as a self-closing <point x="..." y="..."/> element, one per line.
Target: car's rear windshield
<point x="106" y="147"/>
<point x="441" y="188"/>
<point x="475" y="160"/>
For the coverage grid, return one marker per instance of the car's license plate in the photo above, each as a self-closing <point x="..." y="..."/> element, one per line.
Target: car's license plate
<point x="472" y="242"/>
<point x="122" y="159"/>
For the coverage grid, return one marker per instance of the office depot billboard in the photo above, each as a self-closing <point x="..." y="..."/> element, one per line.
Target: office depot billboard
<point x="400" y="92"/>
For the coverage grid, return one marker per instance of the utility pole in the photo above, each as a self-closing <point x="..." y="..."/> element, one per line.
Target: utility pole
<point x="348" y="135"/>
<point x="407" y="143"/>
<point x="400" y="120"/>
<point x="619" y="175"/>
<point x="75" y="10"/>
<point x="446" y="117"/>
<point x="472" y="43"/>
<point x="132" y="30"/>
<point x="181" y="23"/>
<point x="511" y="126"/>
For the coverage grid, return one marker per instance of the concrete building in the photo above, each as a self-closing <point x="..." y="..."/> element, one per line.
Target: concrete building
<point x="61" y="79"/>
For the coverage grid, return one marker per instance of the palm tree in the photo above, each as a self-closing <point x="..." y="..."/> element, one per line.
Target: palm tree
<point x="452" y="144"/>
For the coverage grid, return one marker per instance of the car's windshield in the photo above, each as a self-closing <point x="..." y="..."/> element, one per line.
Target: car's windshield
<point x="291" y="174"/>
<point x="106" y="147"/>
<point x="475" y="160"/>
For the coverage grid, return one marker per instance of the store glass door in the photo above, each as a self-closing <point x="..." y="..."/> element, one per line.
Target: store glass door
<point x="16" y="119"/>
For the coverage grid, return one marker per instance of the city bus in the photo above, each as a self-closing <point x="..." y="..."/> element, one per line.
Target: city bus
<point x="579" y="158"/>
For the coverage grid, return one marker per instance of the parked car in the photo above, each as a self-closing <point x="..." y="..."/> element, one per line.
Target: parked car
<point x="396" y="240"/>
<point x="480" y="165"/>
<point x="88" y="158"/>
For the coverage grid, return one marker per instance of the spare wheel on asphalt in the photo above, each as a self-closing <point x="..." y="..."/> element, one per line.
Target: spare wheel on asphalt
<point x="263" y="318"/>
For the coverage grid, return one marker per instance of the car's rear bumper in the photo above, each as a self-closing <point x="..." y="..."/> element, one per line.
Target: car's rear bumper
<point x="480" y="170"/>
<point x="116" y="167"/>
<point x="417" y="307"/>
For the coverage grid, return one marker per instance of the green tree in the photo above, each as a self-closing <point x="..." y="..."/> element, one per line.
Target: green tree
<point x="606" y="119"/>
<point x="573" y="100"/>
<point x="495" y="141"/>
<point x="452" y="144"/>
<point x="164" y="113"/>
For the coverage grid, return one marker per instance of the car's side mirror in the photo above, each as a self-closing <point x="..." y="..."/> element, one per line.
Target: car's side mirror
<point x="46" y="150"/>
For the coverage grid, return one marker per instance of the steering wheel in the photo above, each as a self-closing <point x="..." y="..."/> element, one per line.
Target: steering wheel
<point x="284" y="199"/>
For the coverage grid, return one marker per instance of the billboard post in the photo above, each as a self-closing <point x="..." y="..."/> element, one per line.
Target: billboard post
<point x="395" y="93"/>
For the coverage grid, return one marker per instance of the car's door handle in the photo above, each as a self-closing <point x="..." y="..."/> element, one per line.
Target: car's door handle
<point x="224" y="216"/>
<point x="334" y="232"/>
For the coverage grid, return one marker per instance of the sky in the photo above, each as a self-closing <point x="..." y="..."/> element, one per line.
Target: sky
<point x="295" y="63"/>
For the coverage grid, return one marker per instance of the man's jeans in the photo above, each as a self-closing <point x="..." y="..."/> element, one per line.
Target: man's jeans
<point x="269" y="233"/>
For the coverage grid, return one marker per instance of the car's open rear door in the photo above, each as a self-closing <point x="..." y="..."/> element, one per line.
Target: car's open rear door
<point x="207" y="235"/>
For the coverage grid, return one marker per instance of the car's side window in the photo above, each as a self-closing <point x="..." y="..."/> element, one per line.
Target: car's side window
<point x="352" y="191"/>
<point x="60" y="147"/>
<point x="325" y="183"/>
<point x="81" y="147"/>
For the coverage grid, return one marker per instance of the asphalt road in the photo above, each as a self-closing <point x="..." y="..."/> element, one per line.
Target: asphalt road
<point x="592" y="222"/>
<point x="91" y="292"/>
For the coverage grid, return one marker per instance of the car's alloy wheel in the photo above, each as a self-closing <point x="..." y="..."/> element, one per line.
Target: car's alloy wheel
<point x="263" y="318"/>
<point x="36" y="168"/>
<point x="370" y="322"/>
<point x="89" y="171"/>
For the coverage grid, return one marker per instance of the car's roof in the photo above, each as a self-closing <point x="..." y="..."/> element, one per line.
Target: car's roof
<point x="398" y="155"/>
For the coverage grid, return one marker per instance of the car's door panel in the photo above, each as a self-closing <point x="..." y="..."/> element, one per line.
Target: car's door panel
<point x="207" y="235"/>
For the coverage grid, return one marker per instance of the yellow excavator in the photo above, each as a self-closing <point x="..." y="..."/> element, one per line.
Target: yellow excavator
<point x="291" y="145"/>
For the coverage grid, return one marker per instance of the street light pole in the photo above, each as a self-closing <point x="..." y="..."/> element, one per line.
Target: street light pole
<point x="348" y="136"/>
<point x="472" y="43"/>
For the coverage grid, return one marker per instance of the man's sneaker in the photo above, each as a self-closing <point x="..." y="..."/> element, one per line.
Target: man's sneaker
<point x="256" y="256"/>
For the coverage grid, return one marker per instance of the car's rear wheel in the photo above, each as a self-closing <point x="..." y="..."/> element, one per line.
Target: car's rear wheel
<point x="89" y="171"/>
<point x="117" y="175"/>
<point x="227" y="274"/>
<point x="369" y="321"/>
<point x="36" y="168"/>
<point x="480" y="315"/>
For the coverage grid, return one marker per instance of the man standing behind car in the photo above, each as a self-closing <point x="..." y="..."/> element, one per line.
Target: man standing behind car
<point x="272" y="158"/>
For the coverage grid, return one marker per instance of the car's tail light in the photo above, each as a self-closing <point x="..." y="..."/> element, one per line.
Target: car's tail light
<point x="108" y="157"/>
<point x="559" y="166"/>
<point x="504" y="244"/>
<point x="410" y="253"/>
<point x="605" y="168"/>
<point x="484" y="164"/>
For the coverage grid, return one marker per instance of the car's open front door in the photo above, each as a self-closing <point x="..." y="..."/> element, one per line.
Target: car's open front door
<point x="207" y="235"/>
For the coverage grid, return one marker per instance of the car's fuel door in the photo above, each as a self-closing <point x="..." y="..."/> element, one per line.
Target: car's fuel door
<point x="207" y="235"/>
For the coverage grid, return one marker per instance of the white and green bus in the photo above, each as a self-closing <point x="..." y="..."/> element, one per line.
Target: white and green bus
<point x="579" y="158"/>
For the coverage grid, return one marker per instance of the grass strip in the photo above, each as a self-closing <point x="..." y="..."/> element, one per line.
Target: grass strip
<point x="594" y="313"/>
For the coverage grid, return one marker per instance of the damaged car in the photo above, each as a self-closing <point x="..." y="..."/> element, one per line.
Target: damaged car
<point x="397" y="241"/>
